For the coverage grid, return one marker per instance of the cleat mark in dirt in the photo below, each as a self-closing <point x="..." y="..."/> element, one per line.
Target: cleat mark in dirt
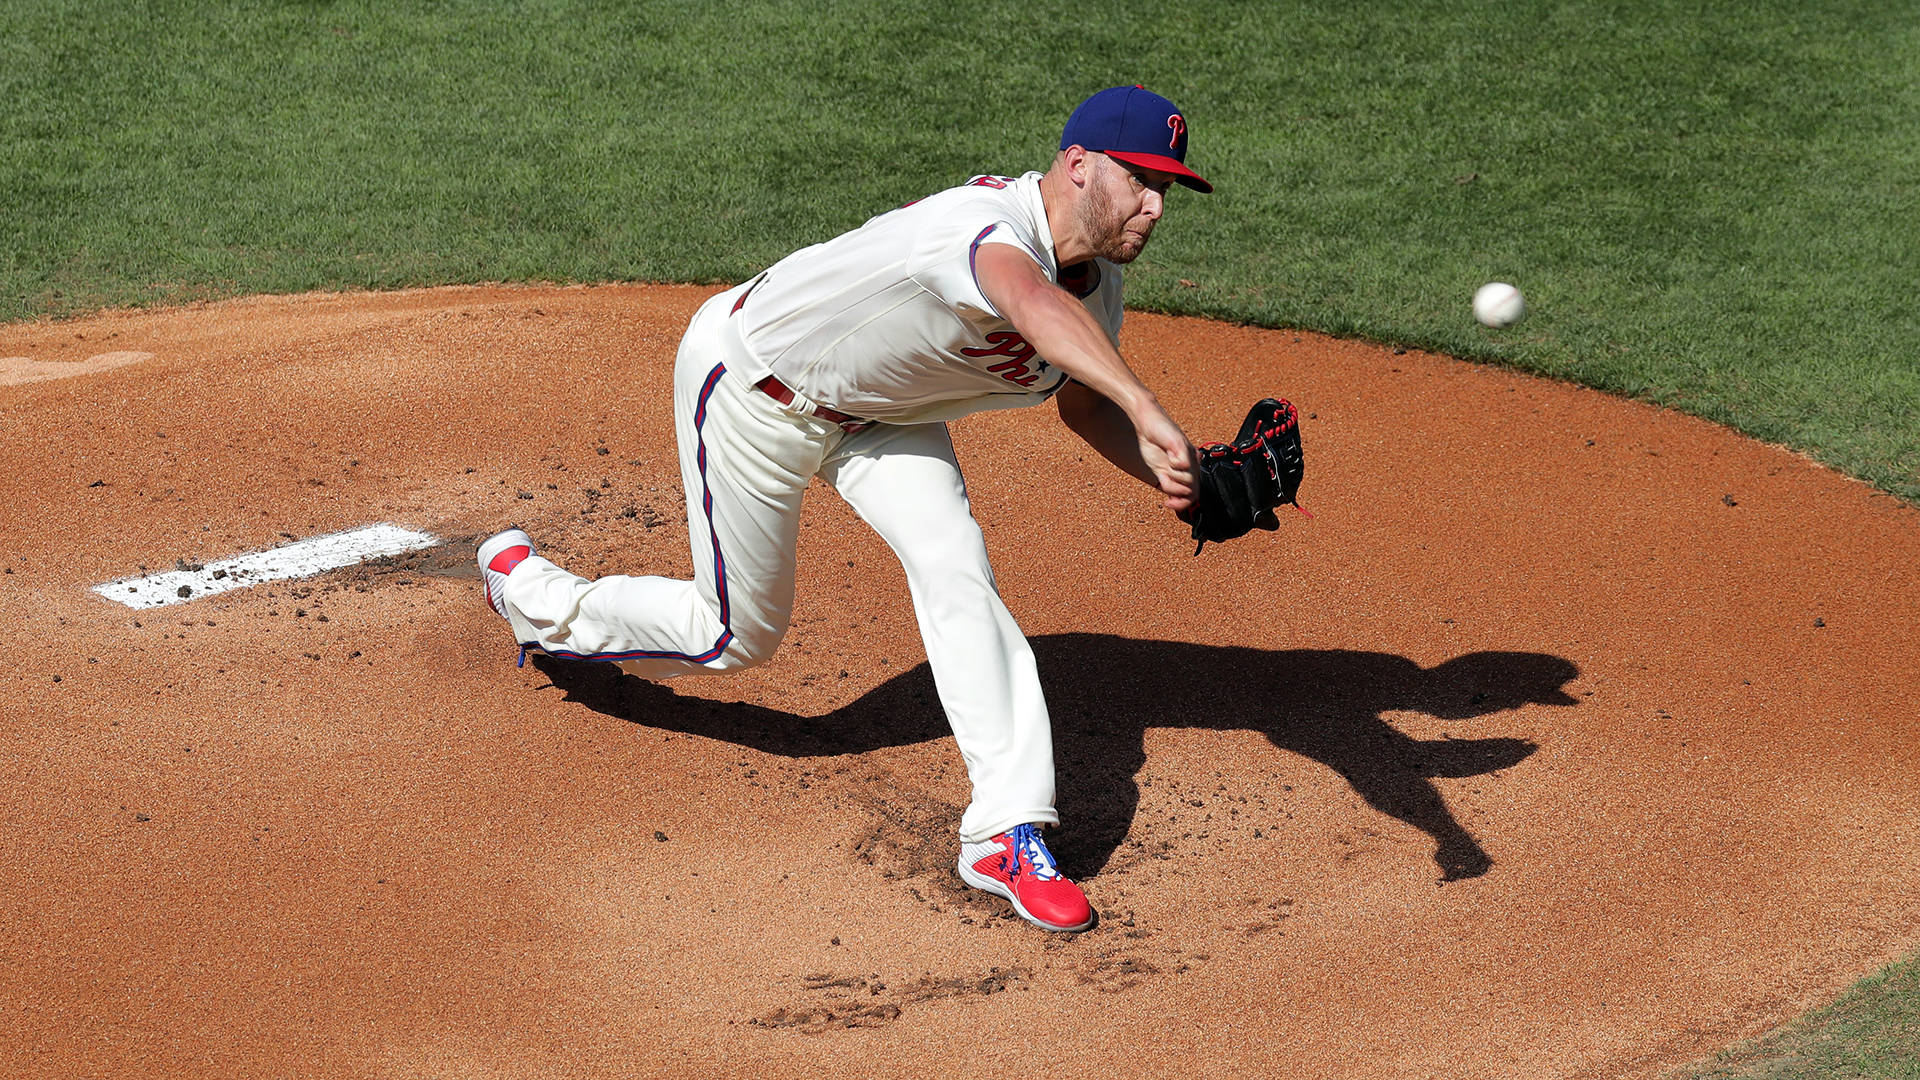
<point x="840" y="1002"/>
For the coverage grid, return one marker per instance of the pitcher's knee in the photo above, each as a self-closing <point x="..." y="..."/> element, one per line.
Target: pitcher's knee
<point x="748" y="649"/>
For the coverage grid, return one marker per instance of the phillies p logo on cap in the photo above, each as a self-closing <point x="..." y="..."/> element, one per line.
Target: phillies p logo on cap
<point x="1137" y="126"/>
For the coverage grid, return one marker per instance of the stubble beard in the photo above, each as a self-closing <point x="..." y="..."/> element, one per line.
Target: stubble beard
<point x="1109" y="237"/>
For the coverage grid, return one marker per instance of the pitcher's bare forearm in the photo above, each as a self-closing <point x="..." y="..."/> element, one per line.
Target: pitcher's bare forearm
<point x="1061" y="329"/>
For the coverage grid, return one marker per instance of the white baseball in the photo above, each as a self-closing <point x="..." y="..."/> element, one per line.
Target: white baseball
<point x="1498" y="304"/>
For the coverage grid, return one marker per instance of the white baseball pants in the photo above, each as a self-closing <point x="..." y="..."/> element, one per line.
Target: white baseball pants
<point x="745" y="461"/>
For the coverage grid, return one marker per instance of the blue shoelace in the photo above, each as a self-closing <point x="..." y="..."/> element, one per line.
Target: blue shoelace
<point x="1026" y="840"/>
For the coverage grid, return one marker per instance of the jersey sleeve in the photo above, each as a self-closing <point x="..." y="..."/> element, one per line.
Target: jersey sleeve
<point x="944" y="261"/>
<point x="949" y="270"/>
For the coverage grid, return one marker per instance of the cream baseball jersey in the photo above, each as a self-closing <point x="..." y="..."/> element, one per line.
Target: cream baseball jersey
<point x="887" y="322"/>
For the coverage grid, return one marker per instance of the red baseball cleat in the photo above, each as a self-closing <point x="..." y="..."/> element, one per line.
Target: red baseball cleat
<point x="499" y="554"/>
<point x="1017" y="865"/>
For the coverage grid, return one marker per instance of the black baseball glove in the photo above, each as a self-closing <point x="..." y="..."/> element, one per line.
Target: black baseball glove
<point x="1238" y="484"/>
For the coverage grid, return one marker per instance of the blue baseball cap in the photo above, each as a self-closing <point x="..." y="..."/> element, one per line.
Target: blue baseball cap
<point x="1137" y="126"/>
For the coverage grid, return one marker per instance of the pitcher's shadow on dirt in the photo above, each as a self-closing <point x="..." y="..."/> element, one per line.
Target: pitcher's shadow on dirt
<point x="1106" y="691"/>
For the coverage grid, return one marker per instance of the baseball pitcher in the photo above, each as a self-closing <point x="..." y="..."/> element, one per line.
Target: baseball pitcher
<point x="844" y="361"/>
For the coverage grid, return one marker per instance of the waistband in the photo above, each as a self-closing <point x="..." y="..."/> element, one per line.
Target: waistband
<point x="782" y="393"/>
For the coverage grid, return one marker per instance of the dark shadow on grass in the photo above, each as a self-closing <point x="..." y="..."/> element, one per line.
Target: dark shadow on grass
<point x="1105" y="692"/>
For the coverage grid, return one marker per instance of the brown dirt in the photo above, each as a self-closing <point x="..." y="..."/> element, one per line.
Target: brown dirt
<point x="1642" y="686"/>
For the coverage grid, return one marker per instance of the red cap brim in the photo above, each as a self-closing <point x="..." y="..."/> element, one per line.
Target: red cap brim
<point x="1164" y="164"/>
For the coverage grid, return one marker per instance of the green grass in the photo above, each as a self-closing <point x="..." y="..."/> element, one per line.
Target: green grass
<point x="1871" y="1033"/>
<point x="1709" y="206"/>
<point x="1712" y="206"/>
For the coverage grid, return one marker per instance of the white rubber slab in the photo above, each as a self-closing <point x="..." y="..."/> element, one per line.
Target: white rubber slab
<point x="303" y="558"/>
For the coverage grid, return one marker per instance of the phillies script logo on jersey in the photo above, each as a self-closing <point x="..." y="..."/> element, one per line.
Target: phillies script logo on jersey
<point x="1019" y="355"/>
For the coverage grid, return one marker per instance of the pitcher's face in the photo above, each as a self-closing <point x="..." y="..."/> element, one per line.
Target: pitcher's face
<point x="1122" y="204"/>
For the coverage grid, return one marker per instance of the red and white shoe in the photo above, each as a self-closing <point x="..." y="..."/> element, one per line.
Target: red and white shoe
<point x="499" y="554"/>
<point x="1017" y="865"/>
